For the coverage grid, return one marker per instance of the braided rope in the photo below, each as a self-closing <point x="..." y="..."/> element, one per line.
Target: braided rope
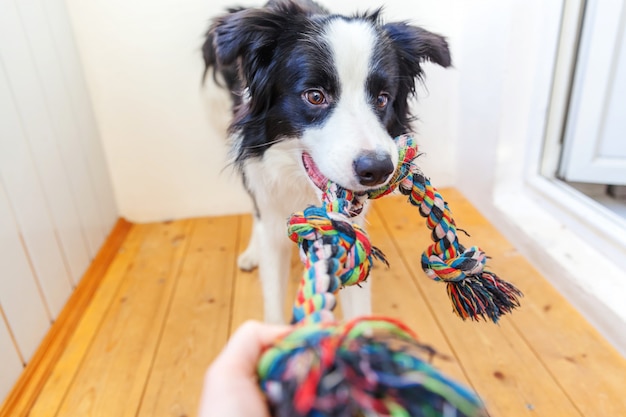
<point x="373" y="365"/>
<point x="345" y="255"/>
<point x="475" y="293"/>
<point x="335" y="253"/>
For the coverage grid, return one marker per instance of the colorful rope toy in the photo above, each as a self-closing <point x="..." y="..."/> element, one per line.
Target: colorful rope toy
<point x="373" y="366"/>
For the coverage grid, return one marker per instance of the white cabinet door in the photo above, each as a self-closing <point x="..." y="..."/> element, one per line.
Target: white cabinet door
<point x="595" y="134"/>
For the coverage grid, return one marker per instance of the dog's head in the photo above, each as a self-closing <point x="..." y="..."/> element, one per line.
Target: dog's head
<point x="340" y="85"/>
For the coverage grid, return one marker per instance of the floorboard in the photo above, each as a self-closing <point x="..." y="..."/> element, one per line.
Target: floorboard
<point x="58" y="384"/>
<point x="498" y="363"/>
<point x="247" y="300"/>
<point x="193" y="333"/>
<point x="589" y="370"/>
<point x="546" y="340"/>
<point x="396" y="294"/>
<point x="173" y="294"/>
<point x="113" y="374"/>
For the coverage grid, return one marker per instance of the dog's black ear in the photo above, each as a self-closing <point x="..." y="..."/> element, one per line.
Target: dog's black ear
<point x="416" y="45"/>
<point x="246" y="40"/>
<point x="413" y="46"/>
<point x="251" y="34"/>
<point x="209" y="52"/>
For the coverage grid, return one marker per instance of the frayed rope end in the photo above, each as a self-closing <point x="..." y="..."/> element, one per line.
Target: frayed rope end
<point x="484" y="296"/>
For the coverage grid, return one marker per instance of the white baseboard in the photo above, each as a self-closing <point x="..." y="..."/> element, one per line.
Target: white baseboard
<point x="547" y="235"/>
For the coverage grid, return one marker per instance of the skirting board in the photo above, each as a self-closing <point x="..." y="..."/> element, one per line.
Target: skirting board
<point x="35" y="374"/>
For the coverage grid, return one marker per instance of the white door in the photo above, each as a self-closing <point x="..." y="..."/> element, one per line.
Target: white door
<point x="595" y="135"/>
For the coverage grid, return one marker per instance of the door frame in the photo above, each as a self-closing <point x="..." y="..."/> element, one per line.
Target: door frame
<point x="579" y="211"/>
<point x="577" y="244"/>
<point x="592" y="80"/>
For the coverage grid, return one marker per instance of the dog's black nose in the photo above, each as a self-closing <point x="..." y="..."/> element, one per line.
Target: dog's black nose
<point x="373" y="168"/>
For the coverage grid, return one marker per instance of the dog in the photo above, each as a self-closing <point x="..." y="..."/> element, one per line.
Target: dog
<point x="315" y="96"/>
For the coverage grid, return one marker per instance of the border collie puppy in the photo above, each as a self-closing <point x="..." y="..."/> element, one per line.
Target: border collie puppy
<point x="316" y="96"/>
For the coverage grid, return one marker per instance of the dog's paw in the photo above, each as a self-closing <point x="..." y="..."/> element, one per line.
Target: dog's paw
<point x="248" y="260"/>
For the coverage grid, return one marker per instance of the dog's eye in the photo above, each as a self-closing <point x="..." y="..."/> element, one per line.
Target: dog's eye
<point x="315" y="97"/>
<point x="382" y="100"/>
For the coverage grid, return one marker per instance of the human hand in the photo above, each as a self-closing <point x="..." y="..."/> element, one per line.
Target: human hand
<point x="230" y="385"/>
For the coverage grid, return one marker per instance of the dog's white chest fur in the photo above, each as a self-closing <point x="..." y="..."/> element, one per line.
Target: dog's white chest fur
<point x="280" y="187"/>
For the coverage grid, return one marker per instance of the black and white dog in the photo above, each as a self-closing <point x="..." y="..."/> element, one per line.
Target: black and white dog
<point x="316" y="96"/>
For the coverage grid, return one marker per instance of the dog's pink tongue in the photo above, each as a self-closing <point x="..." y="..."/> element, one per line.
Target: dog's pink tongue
<point x="313" y="172"/>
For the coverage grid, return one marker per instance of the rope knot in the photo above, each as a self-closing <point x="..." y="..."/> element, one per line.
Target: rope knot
<point x="336" y="253"/>
<point x="437" y="267"/>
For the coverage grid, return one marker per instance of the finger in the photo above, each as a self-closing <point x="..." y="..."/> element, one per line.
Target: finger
<point x="245" y="346"/>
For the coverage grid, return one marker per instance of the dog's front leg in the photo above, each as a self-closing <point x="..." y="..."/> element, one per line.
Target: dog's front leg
<point x="249" y="258"/>
<point x="356" y="301"/>
<point x="274" y="250"/>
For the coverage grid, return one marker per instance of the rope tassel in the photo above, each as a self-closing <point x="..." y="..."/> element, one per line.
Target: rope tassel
<point x="475" y="293"/>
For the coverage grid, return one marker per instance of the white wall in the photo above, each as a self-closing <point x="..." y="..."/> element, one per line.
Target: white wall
<point x="56" y="201"/>
<point x="164" y="133"/>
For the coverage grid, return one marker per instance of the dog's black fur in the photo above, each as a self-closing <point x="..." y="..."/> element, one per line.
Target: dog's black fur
<point x="265" y="50"/>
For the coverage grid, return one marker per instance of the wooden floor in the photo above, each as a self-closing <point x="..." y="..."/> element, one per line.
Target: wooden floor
<point x="173" y="294"/>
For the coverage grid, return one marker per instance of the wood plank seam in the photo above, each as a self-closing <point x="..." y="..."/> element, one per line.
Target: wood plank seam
<point x="547" y="368"/>
<point x="246" y="303"/>
<point x="197" y="325"/>
<point x="396" y="294"/>
<point x="410" y="268"/>
<point x="165" y="316"/>
<point x="82" y="360"/>
<point x="62" y="388"/>
<point x="126" y="281"/>
<point x="450" y="342"/>
<point x="510" y="323"/>
<point x="239" y="249"/>
<point x="35" y="374"/>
